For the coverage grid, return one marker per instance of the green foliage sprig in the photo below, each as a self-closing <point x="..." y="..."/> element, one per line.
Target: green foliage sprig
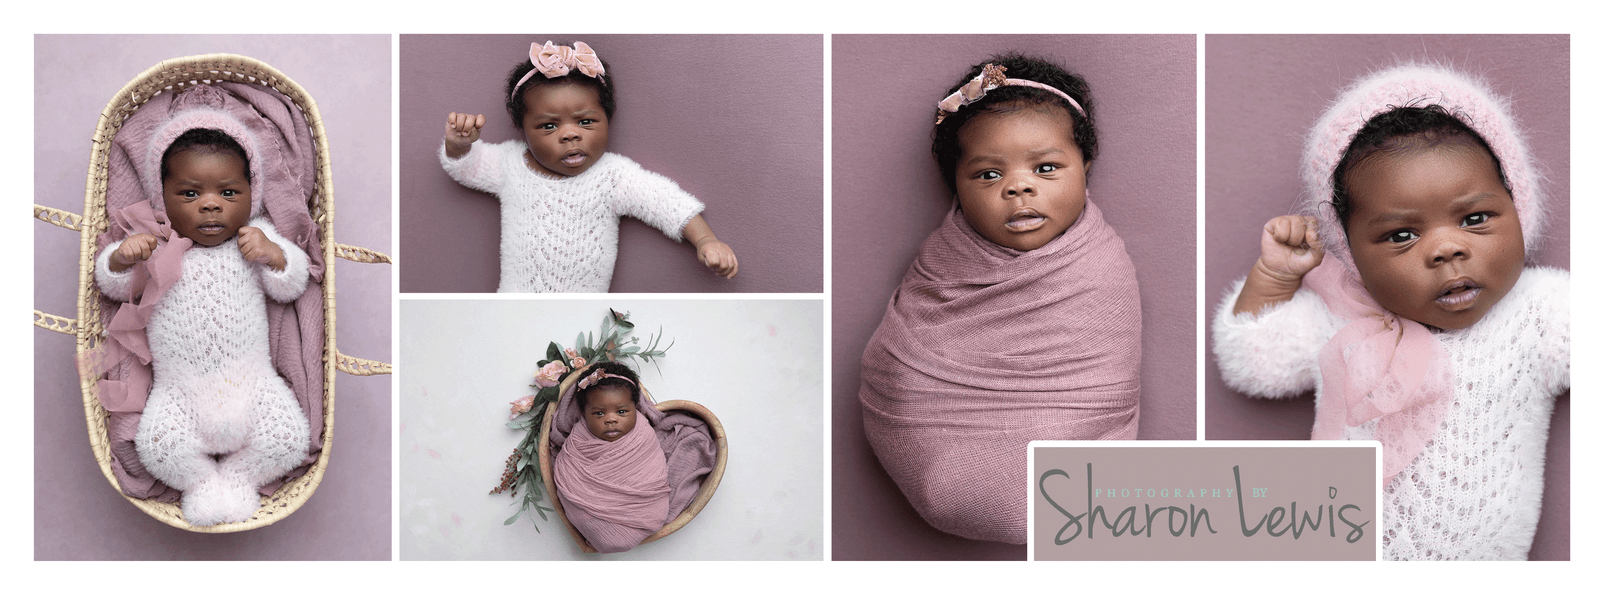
<point x="613" y="345"/>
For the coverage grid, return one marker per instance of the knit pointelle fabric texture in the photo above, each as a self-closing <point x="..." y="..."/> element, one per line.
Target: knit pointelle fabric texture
<point x="560" y="235"/>
<point x="215" y="392"/>
<point x="1474" y="492"/>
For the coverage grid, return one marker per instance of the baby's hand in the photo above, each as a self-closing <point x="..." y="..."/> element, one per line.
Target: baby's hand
<point x="719" y="257"/>
<point x="460" y="131"/>
<point x="134" y="249"/>
<point x="1290" y="247"/>
<point x="256" y="247"/>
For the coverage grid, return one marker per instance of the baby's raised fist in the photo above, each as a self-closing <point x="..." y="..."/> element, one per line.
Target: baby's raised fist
<point x="1290" y="246"/>
<point x="136" y="248"/>
<point x="256" y="247"/>
<point x="462" y="129"/>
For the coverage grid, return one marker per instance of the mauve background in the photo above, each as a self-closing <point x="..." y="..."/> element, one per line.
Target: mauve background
<point x="887" y="197"/>
<point x="1264" y="91"/>
<point x="77" y="514"/>
<point x="736" y="120"/>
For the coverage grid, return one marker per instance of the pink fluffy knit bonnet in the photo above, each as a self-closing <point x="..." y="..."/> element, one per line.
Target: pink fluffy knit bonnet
<point x="1418" y="85"/>
<point x="202" y="106"/>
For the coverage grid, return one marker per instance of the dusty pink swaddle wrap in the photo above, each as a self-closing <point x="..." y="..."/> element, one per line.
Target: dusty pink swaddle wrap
<point x="614" y="492"/>
<point x="277" y="139"/>
<point x="984" y="349"/>
<point x="684" y="439"/>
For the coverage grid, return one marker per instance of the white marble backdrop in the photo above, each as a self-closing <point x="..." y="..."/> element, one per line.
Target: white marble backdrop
<point x="756" y="364"/>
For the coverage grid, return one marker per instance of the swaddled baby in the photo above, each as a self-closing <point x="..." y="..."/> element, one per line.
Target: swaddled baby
<point x="219" y="421"/>
<point x="1019" y="319"/>
<point x="611" y="473"/>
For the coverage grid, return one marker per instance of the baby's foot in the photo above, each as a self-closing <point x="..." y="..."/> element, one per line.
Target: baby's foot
<point x="203" y="505"/>
<point x="216" y="501"/>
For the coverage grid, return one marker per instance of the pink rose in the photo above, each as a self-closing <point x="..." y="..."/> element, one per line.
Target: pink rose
<point x="521" y="407"/>
<point x="578" y="362"/>
<point x="550" y="375"/>
<point x="572" y="353"/>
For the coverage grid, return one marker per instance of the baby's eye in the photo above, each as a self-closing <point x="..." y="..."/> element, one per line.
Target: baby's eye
<point x="1400" y="236"/>
<point x="1475" y="219"/>
<point x="228" y="193"/>
<point x="588" y="122"/>
<point x="547" y="126"/>
<point x="189" y="193"/>
<point x="1046" y="168"/>
<point x="989" y="175"/>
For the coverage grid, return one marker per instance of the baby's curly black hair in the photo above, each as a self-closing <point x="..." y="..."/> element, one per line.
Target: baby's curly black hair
<point x="516" y="105"/>
<point x="612" y="368"/>
<point x="947" y="134"/>
<point x="1400" y="130"/>
<point x="203" y="141"/>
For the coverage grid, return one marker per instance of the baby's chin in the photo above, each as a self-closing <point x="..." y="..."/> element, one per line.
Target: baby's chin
<point x="208" y="240"/>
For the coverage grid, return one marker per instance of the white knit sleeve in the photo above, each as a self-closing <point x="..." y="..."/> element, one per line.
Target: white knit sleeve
<point x="1552" y="286"/>
<point x="482" y="168"/>
<point x="286" y="285"/>
<point x="115" y="285"/>
<point x="1272" y="353"/>
<point x="654" y="199"/>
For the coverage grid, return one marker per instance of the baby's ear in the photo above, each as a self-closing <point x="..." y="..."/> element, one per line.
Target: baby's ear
<point x="1086" y="165"/>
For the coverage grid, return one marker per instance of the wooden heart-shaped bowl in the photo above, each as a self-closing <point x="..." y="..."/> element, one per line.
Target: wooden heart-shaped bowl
<point x="707" y="488"/>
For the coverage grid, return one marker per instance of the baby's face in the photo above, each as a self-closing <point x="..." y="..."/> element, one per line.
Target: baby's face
<point x="1020" y="180"/>
<point x="1434" y="234"/>
<point x="566" y="128"/>
<point x="610" y="412"/>
<point x="207" y="195"/>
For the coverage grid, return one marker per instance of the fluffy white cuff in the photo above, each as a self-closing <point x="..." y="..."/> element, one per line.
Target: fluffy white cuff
<point x="287" y="285"/>
<point x="115" y="285"/>
<point x="1272" y="353"/>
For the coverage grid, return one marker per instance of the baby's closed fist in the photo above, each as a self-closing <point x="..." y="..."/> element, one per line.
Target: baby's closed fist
<point x="1290" y="247"/>
<point x="719" y="257"/>
<point x="462" y="129"/>
<point x="136" y="248"/>
<point x="256" y="247"/>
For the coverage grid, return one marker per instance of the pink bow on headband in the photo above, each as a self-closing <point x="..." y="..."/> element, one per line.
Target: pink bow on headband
<point x="993" y="77"/>
<point x="556" y="61"/>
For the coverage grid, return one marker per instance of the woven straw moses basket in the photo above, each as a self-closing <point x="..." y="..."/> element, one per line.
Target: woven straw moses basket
<point x="89" y="329"/>
<point x="708" y="487"/>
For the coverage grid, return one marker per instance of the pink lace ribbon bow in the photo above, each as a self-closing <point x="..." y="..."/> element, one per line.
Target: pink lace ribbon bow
<point x="1380" y="366"/>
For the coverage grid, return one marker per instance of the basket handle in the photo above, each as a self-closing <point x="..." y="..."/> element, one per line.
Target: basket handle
<point x="71" y="222"/>
<point x="361" y="367"/>
<point x="60" y="218"/>
<point x="360" y="254"/>
<point x="55" y="323"/>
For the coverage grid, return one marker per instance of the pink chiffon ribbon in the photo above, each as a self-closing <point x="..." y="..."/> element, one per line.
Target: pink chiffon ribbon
<point x="125" y="335"/>
<point x="1380" y="366"/>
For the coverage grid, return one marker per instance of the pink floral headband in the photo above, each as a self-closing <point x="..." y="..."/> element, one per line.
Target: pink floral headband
<point x="596" y="376"/>
<point x="555" y="61"/>
<point x="993" y="77"/>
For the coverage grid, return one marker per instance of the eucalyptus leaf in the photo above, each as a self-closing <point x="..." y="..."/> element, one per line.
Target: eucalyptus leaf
<point x="553" y="352"/>
<point x="513" y="518"/>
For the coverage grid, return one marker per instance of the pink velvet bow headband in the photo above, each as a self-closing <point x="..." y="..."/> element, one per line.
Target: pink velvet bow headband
<point x="555" y="61"/>
<point x="993" y="77"/>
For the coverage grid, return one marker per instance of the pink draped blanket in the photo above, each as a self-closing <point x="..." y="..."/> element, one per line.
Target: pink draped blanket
<point x="615" y="493"/>
<point x="985" y="348"/>
<point x="286" y="172"/>
<point x="683" y="439"/>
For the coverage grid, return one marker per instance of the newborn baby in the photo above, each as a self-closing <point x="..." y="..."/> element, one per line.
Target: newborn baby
<point x="611" y="474"/>
<point x="219" y="421"/>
